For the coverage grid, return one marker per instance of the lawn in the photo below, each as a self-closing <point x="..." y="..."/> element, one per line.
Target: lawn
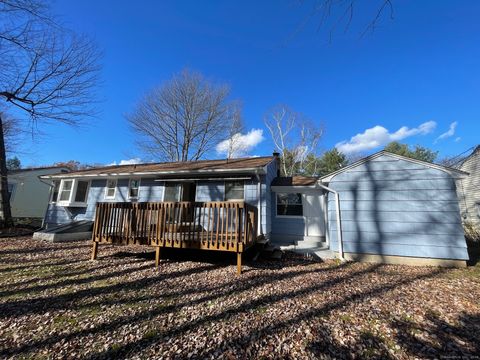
<point x="54" y="303"/>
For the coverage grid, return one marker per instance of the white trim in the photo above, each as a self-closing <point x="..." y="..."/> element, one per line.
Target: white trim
<point x="453" y="172"/>
<point x="138" y="190"/>
<point x="114" y="189"/>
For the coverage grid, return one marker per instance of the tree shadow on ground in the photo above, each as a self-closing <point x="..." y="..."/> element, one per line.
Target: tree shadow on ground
<point x="435" y="337"/>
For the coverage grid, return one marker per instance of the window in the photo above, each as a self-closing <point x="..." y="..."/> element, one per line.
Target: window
<point x="56" y="187"/>
<point x="71" y="192"/>
<point x="66" y="190"/>
<point x="11" y="190"/>
<point x="111" y="189"/>
<point x="81" y="192"/>
<point x="133" y="187"/>
<point x="172" y="192"/>
<point x="289" y="205"/>
<point x="234" y="190"/>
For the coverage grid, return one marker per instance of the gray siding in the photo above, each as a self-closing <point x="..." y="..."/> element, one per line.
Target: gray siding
<point x="397" y="207"/>
<point x="469" y="189"/>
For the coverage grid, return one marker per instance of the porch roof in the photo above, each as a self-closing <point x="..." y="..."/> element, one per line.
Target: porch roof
<point x="242" y="165"/>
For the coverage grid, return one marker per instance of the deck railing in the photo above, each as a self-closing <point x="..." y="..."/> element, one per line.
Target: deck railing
<point x="227" y="226"/>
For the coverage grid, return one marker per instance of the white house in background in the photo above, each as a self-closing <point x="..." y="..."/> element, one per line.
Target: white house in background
<point x="29" y="195"/>
<point x="469" y="189"/>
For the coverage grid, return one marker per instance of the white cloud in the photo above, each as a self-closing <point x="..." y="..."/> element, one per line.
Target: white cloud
<point x="379" y="136"/>
<point x="241" y="144"/>
<point x="127" y="162"/>
<point x="457" y="139"/>
<point x="449" y="133"/>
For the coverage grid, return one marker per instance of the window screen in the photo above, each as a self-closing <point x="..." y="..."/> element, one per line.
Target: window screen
<point x="81" y="194"/>
<point x="172" y="192"/>
<point x="234" y="190"/>
<point x="66" y="190"/>
<point x="289" y="204"/>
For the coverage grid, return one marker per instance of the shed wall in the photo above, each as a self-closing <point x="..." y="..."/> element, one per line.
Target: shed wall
<point x="397" y="207"/>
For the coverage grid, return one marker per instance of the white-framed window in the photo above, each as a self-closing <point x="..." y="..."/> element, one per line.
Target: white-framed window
<point x="234" y="190"/>
<point x="65" y="191"/>
<point x="72" y="192"/>
<point x="172" y="192"/>
<point x="289" y="204"/>
<point x="133" y="188"/>
<point x="111" y="189"/>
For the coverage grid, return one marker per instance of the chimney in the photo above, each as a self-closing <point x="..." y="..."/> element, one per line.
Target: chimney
<point x="276" y="156"/>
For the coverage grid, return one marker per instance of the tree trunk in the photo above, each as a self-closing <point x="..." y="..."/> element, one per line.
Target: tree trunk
<point x="5" y="198"/>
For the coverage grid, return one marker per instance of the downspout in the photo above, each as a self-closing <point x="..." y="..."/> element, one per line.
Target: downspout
<point x="339" y="220"/>
<point x="259" y="203"/>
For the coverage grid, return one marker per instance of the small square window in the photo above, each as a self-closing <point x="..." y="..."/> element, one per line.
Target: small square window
<point x="289" y="205"/>
<point x="234" y="190"/>
<point x="133" y="187"/>
<point x="111" y="189"/>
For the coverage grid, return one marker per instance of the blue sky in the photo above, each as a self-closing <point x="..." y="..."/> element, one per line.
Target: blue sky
<point x="420" y="70"/>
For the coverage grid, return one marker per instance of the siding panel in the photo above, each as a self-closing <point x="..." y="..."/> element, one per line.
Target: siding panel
<point x="395" y="207"/>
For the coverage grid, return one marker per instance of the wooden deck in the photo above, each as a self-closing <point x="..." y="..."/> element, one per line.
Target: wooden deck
<point x="223" y="226"/>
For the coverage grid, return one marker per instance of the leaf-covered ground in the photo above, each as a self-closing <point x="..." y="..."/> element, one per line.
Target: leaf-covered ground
<point x="54" y="303"/>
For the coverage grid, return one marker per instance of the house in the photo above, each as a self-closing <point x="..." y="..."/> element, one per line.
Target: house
<point x="468" y="189"/>
<point x="29" y="195"/>
<point x="391" y="208"/>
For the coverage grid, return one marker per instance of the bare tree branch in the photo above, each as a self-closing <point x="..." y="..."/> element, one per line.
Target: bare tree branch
<point x="183" y="119"/>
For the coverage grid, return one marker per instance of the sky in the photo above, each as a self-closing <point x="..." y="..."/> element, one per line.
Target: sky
<point x="415" y="78"/>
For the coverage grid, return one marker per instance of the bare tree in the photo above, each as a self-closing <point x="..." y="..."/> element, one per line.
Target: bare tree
<point x="183" y="119"/>
<point x="46" y="72"/>
<point x="234" y="132"/>
<point x="294" y="136"/>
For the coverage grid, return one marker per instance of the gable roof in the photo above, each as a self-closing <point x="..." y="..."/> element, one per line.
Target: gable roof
<point x="242" y="165"/>
<point x="452" y="171"/>
<point x="295" y="181"/>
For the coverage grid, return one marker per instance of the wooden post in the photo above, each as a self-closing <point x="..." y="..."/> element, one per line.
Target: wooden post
<point x="94" y="250"/>
<point x="239" y="263"/>
<point x="157" y="257"/>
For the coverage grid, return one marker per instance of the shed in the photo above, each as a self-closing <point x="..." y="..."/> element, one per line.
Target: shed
<point x="398" y="210"/>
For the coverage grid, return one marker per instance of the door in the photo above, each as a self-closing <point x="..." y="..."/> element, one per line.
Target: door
<point x="313" y="213"/>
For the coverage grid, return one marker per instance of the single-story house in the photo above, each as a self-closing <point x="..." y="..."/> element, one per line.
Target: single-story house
<point x="469" y="189"/>
<point x="391" y="208"/>
<point x="29" y="195"/>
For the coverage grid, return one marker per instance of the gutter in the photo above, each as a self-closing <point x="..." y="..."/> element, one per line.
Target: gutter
<point x="339" y="220"/>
